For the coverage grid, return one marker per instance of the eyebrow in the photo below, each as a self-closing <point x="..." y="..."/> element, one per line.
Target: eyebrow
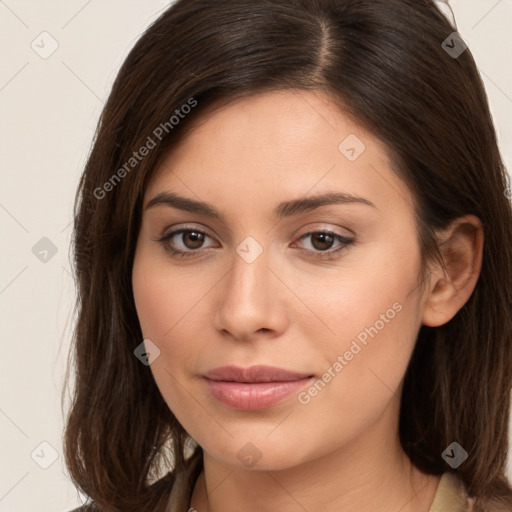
<point x="284" y="209"/>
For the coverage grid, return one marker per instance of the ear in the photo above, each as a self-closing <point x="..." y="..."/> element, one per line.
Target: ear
<point x="452" y="283"/>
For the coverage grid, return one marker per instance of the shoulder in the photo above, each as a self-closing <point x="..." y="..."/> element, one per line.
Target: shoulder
<point x="451" y="495"/>
<point x="163" y="482"/>
<point x="171" y="488"/>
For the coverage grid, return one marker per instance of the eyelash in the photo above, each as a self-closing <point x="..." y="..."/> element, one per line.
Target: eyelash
<point x="346" y="242"/>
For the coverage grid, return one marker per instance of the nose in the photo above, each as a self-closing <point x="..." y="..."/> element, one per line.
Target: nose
<point x="251" y="300"/>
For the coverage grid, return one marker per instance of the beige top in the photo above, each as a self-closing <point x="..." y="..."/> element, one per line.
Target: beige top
<point x="450" y="495"/>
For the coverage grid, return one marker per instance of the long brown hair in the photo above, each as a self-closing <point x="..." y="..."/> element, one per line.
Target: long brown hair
<point x="384" y="61"/>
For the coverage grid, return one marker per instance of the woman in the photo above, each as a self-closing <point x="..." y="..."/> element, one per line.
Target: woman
<point x="293" y="251"/>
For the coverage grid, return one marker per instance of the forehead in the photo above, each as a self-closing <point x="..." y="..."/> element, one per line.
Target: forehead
<point x="274" y="143"/>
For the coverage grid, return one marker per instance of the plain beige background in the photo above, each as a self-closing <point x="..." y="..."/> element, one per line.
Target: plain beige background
<point x="49" y="106"/>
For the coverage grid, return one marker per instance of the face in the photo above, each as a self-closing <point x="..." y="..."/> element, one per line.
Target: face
<point x="305" y="259"/>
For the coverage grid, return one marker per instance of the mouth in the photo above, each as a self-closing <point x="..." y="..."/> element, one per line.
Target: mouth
<point x="256" y="387"/>
<point x="259" y="373"/>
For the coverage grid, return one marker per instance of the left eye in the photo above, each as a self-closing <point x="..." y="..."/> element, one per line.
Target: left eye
<point x="193" y="239"/>
<point x="323" y="240"/>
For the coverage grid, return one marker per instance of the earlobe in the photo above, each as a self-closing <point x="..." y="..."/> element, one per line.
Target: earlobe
<point x="453" y="282"/>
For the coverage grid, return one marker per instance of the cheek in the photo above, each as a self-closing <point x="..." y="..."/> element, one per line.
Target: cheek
<point x="374" y="297"/>
<point x="170" y="306"/>
<point x="162" y="305"/>
<point x="362" y="373"/>
<point x="152" y="296"/>
<point x="373" y="315"/>
<point x="162" y="296"/>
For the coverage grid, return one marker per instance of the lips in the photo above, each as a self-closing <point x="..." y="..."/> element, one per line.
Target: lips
<point x="260" y="373"/>
<point x="254" y="388"/>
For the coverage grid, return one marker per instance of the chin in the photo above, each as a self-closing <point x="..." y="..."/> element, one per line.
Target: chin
<point x="260" y="454"/>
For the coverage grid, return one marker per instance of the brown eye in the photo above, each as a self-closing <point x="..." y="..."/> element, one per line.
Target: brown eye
<point x="322" y="241"/>
<point x="184" y="242"/>
<point x="192" y="239"/>
<point x="189" y="242"/>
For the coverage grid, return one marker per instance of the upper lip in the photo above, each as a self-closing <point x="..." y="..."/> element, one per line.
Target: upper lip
<point x="259" y="373"/>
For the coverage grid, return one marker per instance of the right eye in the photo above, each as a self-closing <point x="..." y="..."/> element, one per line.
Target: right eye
<point x="184" y="242"/>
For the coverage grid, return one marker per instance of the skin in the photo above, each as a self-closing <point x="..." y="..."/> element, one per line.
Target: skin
<point x="340" y="451"/>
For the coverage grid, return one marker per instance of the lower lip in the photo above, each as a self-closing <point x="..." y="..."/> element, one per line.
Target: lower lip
<point x="254" y="395"/>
